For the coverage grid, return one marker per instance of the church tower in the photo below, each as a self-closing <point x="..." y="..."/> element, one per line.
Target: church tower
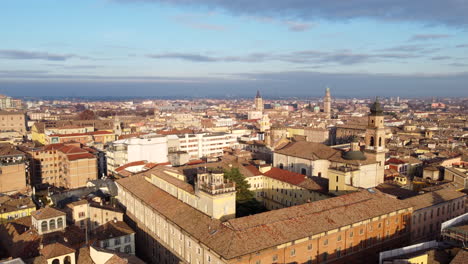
<point x="327" y="103"/>
<point x="117" y="126"/>
<point x="258" y="102"/>
<point x="375" y="136"/>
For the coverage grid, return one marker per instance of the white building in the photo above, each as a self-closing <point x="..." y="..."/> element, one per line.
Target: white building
<point x="207" y="145"/>
<point x="151" y="148"/>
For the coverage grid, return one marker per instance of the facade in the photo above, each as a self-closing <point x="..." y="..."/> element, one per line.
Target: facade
<point x="117" y="236"/>
<point x="13" y="121"/>
<point x="432" y="209"/>
<point x="48" y="220"/>
<point x="277" y="188"/>
<point x="171" y="231"/>
<point x="63" y="165"/>
<point x="12" y="169"/>
<point x="91" y="215"/>
<point x="7" y="102"/>
<point x="150" y="148"/>
<point x="207" y="145"/>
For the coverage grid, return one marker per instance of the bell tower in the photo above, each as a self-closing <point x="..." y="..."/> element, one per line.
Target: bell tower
<point x="258" y="102"/>
<point x="375" y="137"/>
<point x="327" y="103"/>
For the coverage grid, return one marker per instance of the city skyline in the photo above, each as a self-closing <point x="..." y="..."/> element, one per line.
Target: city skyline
<point x="215" y="48"/>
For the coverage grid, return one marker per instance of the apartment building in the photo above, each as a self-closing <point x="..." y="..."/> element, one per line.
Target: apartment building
<point x="207" y="145"/>
<point x="12" y="169"/>
<point x="151" y="148"/>
<point x="343" y="229"/>
<point x="66" y="165"/>
<point x="13" y="121"/>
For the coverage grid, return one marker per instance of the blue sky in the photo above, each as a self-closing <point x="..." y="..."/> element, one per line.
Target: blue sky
<point x="215" y="47"/>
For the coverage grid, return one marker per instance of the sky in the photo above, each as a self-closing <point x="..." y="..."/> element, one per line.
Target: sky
<point x="358" y="48"/>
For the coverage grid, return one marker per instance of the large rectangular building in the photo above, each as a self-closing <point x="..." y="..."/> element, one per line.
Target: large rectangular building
<point x="13" y="121"/>
<point x="12" y="169"/>
<point x="346" y="229"/>
<point x="66" y="165"/>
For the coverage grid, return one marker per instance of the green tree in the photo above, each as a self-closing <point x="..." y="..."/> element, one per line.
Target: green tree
<point x="242" y="186"/>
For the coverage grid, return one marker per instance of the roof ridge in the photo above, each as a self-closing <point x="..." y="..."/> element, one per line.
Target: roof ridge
<point x="296" y="216"/>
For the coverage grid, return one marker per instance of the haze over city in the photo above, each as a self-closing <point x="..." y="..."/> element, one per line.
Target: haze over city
<point x="232" y="48"/>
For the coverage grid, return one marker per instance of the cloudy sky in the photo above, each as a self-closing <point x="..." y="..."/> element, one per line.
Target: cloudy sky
<point x="218" y="47"/>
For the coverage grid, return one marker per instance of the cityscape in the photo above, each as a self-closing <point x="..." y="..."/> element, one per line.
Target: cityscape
<point x="233" y="132"/>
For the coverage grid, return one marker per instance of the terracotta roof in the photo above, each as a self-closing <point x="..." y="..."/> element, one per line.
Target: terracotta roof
<point x="56" y="250"/>
<point x="241" y="236"/>
<point x="8" y="204"/>
<point x="395" y="161"/>
<point x="81" y="156"/>
<point x="9" y="150"/>
<point x="113" y="229"/>
<point x="461" y="257"/>
<point x="47" y="213"/>
<point x="435" y="197"/>
<point x="131" y="164"/>
<point x="307" y="150"/>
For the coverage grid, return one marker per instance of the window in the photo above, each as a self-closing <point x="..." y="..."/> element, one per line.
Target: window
<point x="325" y="242"/>
<point x="60" y="223"/>
<point x="128" y="249"/>
<point x="44" y="226"/>
<point x="309" y="247"/>
<point x="361" y="231"/>
<point x="105" y="243"/>
<point x="339" y="238"/>
<point x="52" y="224"/>
<point x="275" y="258"/>
<point x="351" y="234"/>
<point x="117" y="241"/>
<point x="293" y="252"/>
<point x="325" y="256"/>
<point x="127" y="239"/>
<point x="338" y="252"/>
<point x="303" y="171"/>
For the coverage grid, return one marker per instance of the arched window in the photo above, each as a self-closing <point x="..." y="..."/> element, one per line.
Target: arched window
<point x="303" y="171"/>
<point x="380" y="141"/>
<point x="281" y="166"/>
<point x="60" y="223"/>
<point x="372" y="143"/>
<point x="67" y="260"/>
<point x="44" y="226"/>
<point x="52" y="224"/>
<point x="320" y="174"/>
<point x="56" y="261"/>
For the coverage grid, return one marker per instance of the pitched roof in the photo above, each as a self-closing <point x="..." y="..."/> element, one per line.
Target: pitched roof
<point x="307" y="150"/>
<point x="433" y="198"/>
<point x="241" y="236"/>
<point x="113" y="229"/>
<point x="46" y="213"/>
<point x="56" y="250"/>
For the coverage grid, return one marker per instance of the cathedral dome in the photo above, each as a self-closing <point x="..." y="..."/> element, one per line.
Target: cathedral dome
<point x="354" y="155"/>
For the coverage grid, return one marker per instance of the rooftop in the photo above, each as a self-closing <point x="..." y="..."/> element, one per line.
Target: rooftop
<point x="241" y="236"/>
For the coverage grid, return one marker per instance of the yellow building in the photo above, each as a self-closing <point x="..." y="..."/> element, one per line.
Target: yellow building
<point x="11" y="208"/>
